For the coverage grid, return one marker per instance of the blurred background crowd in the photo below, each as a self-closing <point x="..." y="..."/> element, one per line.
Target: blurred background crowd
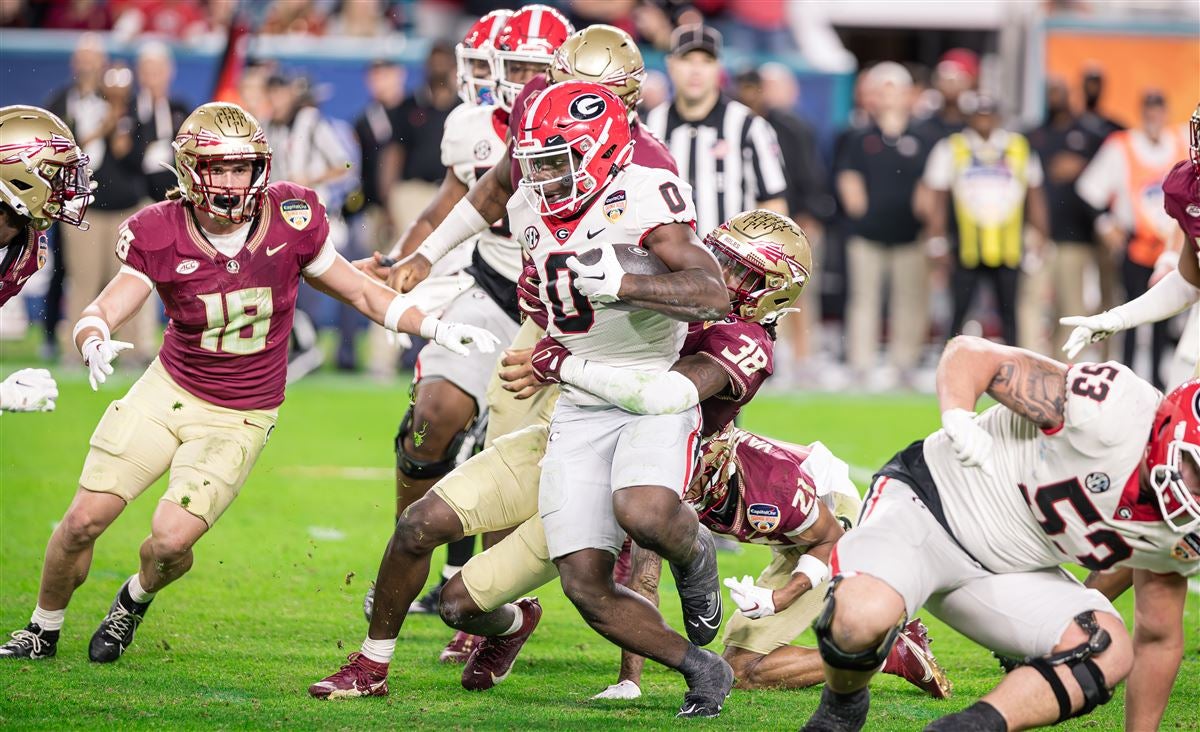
<point x="959" y="167"/>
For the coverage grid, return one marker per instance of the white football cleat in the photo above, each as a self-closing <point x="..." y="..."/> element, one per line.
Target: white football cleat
<point x="625" y="690"/>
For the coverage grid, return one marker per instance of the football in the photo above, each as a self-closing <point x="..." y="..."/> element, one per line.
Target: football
<point x="634" y="260"/>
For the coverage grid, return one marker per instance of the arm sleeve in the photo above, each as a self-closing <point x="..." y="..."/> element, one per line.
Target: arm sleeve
<point x="321" y="263"/>
<point x="769" y="179"/>
<point x="939" y="169"/>
<point x="1170" y="296"/>
<point x="639" y="392"/>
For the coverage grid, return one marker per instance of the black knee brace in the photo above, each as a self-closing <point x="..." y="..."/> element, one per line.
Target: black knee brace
<point x="1087" y="674"/>
<point x="417" y="469"/>
<point x="865" y="660"/>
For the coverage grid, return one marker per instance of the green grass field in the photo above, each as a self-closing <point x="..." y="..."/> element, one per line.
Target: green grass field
<point x="274" y="600"/>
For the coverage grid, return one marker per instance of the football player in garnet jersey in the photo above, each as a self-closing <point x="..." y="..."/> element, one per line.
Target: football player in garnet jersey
<point x="448" y="414"/>
<point x="43" y="178"/>
<point x="226" y="254"/>
<point x="1180" y="288"/>
<point x="1087" y="464"/>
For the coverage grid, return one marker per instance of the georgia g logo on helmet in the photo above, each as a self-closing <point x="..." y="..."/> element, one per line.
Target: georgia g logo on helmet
<point x="586" y="107"/>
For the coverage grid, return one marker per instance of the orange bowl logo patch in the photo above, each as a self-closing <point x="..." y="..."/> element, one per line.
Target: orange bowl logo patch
<point x="296" y="212"/>
<point x="764" y="517"/>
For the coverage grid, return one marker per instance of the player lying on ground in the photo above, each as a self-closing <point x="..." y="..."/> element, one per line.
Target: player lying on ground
<point x="1180" y="288"/>
<point x="43" y="178"/>
<point x="721" y="366"/>
<point x="226" y="255"/>
<point x="1086" y="464"/>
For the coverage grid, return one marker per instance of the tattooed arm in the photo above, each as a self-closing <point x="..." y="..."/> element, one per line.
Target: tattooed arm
<point x="1029" y="384"/>
<point x="692" y="290"/>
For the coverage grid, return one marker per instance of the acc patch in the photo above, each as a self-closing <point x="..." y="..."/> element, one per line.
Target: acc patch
<point x="296" y="212"/>
<point x="43" y="251"/>
<point x="1188" y="549"/>
<point x="614" y="205"/>
<point x="532" y="237"/>
<point x="1097" y="482"/>
<point x="483" y="148"/>
<point x="764" y="517"/>
<point x="187" y="266"/>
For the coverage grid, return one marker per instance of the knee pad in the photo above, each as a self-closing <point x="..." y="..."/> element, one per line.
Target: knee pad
<point x="1087" y="674"/>
<point x="418" y="469"/>
<point x="869" y="659"/>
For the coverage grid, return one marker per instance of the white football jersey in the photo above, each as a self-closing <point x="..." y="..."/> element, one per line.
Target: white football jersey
<point x="1070" y="495"/>
<point x="636" y="201"/>
<point x="473" y="141"/>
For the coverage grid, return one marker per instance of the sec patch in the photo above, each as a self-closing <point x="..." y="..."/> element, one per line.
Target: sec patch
<point x="296" y="212"/>
<point x="764" y="517"/>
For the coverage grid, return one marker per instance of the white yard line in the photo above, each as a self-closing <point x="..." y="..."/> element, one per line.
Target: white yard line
<point x="345" y="472"/>
<point x="325" y="533"/>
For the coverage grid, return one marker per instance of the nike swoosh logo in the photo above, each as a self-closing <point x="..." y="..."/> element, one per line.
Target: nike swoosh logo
<point x="708" y="621"/>
<point x="271" y="250"/>
<point x="594" y="234"/>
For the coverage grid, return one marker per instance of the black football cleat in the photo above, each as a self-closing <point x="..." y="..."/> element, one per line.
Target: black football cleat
<point x="427" y="604"/>
<point x="700" y="591"/>
<point x="31" y="642"/>
<point x="115" y="633"/>
<point x="707" y="689"/>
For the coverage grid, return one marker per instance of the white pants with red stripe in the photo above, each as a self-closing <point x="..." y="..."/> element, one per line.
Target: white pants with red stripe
<point x="899" y="542"/>
<point x="595" y="451"/>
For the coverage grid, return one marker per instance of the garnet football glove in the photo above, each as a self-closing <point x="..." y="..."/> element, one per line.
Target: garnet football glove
<point x="601" y="281"/>
<point x="547" y="359"/>
<point x="972" y="443"/>
<point x="456" y="336"/>
<point x="98" y="354"/>
<point x="28" y="390"/>
<point x="755" y="602"/>
<point x="528" y="300"/>
<point x="1090" y="329"/>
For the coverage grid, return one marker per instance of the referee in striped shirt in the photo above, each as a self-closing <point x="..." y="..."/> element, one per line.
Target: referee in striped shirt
<point x="729" y="155"/>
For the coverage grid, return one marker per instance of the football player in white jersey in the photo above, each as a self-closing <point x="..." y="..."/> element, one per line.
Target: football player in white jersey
<point x="607" y="471"/>
<point x="448" y="415"/>
<point x="1087" y="464"/>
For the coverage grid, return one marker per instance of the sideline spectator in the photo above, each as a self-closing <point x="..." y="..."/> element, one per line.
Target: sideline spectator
<point x="1093" y="90"/>
<point x="1128" y="173"/>
<point x="993" y="176"/>
<point x="876" y="174"/>
<point x="728" y="155"/>
<point x="1065" y="145"/>
<point x="158" y="117"/>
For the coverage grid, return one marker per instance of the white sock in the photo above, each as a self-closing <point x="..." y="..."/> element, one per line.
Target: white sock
<point x="48" y="619"/>
<point x="518" y="620"/>
<point x="135" y="589"/>
<point x="449" y="570"/>
<point x="379" y="651"/>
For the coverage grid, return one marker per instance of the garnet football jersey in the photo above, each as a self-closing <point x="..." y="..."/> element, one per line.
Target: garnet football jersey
<point x="23" y="264"/>
<point x="1061" y="496"/>
<point x="746" y="353"/>
<point x="475" y="140"/>
<point x="635" y="202"/>
<point x="1181" y="199"/>
<point x="230" y="317"/>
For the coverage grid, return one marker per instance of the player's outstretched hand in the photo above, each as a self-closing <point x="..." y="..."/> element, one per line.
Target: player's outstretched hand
<point x="601" y="281"/>
<point x="98" y="354"/>
<point x="377" y="266"/>
<point x="547" y="359"/>
<point x="516" y="372"/>
<point x="755" y="602"/>
<point x="28" y="390"/>
<point x="972" y="443"/>
<point x="457" y="336"/>
<point x="1090" y="329"/>
<point x="409" y="272"/>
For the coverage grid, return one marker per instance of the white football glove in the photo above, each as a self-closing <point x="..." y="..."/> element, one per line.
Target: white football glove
<point x="625" y="690"/>
<point x="755" y="602"/>
<point x="456" y="336"/>
<point x="972" y="443"/>
<point x="601" y="281"/>
<point x="28" y="390"/>
<point x="98" y="354"/>
<point x="1090" y="329"/>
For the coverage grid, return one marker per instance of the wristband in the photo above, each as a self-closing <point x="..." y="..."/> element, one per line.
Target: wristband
<point x="391" y="319"/>
<point x="90" y="321"/>
<point x="460" y="224"/>
<point x="816" y="570"/>
<point x="429" y="327"/>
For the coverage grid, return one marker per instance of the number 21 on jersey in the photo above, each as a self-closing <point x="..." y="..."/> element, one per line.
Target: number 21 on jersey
<point x="231" y="313"/>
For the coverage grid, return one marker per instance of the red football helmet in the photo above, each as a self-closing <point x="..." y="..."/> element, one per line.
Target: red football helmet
<point x="479" y="46"/>
<point x="573" y="139"/>
<point x="529" y="38"/>
<point x="1176" y="439"/>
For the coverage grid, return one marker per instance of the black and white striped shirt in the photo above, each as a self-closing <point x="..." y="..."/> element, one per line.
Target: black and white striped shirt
<point x="731" y="158"/>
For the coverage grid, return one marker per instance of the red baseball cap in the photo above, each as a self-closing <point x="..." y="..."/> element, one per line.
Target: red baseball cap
<point x="961" y="60"/>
